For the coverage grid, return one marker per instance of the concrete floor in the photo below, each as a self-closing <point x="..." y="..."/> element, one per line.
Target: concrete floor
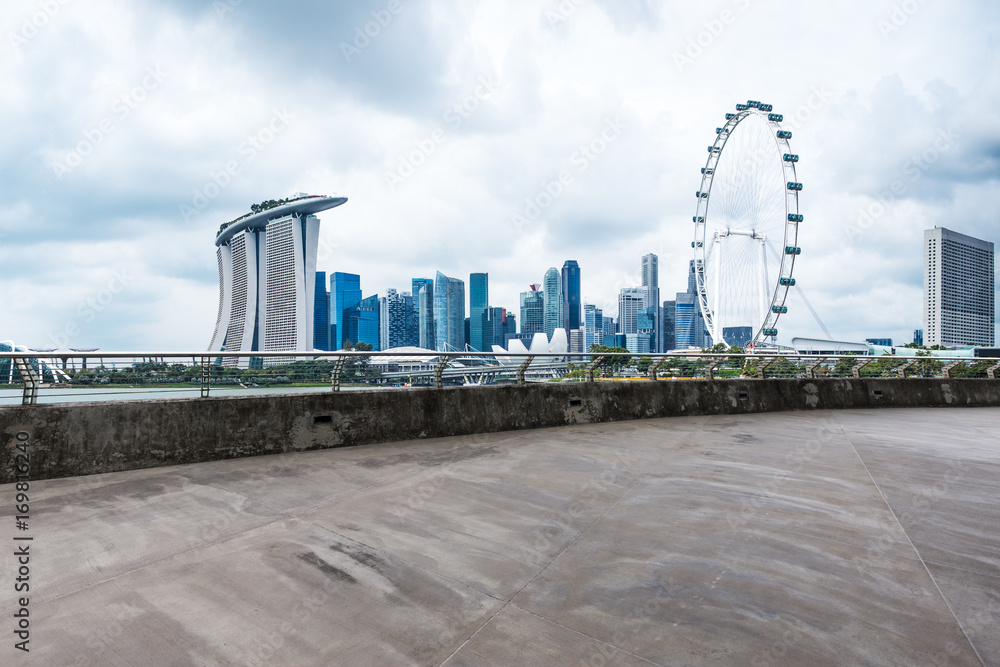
<point x="852" y="537"/>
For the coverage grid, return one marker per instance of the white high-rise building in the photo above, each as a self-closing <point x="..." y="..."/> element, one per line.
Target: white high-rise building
<point x="267" y="276"/>
<point x="958" y="289"/>
<point x="630" y="301"/>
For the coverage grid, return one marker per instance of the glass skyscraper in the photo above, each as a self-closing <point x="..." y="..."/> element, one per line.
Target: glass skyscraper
<point x="479" y="298"/>
<point x="570" y="296"/>
<point x="360" y="322"/>
<point x="532" y="310"/>
<point x="449" y="313"/>
<point x="651" y="281"/>
<point x="345" y="291"/>
<point x="669" y="325"/>
<point x="423" y="303"/>
<point x="321" y="314"/>
<point x="552" y="316"/>
<point x="593" y="327"/>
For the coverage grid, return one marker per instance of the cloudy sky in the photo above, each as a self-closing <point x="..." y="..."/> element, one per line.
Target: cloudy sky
<point x="132" y="130"/>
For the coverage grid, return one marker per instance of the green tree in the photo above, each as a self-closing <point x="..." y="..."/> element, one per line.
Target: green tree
<point x="610" y="365"/>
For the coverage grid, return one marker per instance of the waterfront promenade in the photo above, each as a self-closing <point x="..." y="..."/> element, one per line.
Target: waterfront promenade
<point x="822" y="537"/>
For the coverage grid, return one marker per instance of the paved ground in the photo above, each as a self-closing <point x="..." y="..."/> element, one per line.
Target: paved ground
<point x="854" y="537"/>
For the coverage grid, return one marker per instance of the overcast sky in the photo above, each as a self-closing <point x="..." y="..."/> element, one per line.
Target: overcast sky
<point x="133" y="130"/>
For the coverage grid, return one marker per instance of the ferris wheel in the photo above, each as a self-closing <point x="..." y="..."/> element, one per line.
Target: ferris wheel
<point x="747" y="225"/>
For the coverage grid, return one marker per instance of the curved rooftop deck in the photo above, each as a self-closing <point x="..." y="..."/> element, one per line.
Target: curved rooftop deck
<point x="848" y="537"/>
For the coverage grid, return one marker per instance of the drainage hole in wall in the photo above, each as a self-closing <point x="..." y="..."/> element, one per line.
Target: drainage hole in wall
<point x="323" y="419"/>
<point x="575" y="402"/>
<point x="743" y="395"/>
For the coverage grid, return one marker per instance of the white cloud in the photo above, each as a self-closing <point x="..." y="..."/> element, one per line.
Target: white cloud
<point x="862" y="99"/>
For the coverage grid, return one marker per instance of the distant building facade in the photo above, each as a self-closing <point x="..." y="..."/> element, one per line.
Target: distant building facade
<point x="345" y="292"/>
<point x="532" y="310"/>
<point x="321" y="314"/>
<point x="651" y="281"/>
<point x="449" y="313"/>
<point x="569" y="297"/>
<point x="553" y="303"/>
<point x="479" y="298"/>
<point x="959" y="306"/>
<point x="630" y="301"/>
<point x="423" y="303"/>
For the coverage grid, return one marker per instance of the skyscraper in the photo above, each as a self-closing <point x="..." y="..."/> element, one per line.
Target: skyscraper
<point x="449" y="313"/>
<point x="630" y="301"/>
<point x="423" y="303"/>
<point x="958" y="289"/>
<point x="360" y="322"/>
<point x="479" y="298"/>
<point x="397" y="322"/>
<point x="651" y="281"/>
<point x="321" y="314"/>
<point x="553" y="301"/>
<point x="689" y="323"/>
<point x="532" y="310"/>
<point x="267" y="274"/>
<point x="669" y="325"/>
<point x="345" y="291"/>
<point x="593" y="326"/>
<point x="569" y="295"/>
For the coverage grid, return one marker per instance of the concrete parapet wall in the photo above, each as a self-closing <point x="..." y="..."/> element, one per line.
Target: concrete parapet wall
<point x="88" y="438"/>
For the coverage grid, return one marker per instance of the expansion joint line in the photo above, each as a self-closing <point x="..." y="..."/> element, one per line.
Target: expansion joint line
<point x="912" y="545"/>
<point x="586" y="530"/>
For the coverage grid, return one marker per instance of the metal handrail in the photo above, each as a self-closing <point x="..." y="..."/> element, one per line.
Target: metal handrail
<point x="442" y="364"/>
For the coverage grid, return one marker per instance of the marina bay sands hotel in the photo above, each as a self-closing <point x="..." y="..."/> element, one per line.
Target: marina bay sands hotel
<point x="267" y="276"/>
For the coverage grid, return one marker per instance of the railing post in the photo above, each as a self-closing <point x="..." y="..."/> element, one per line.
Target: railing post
<point x="856" y="369"/>
<point x="710" y="369"/>
<point x="338" y="368"/>
<point x="811" y="368"/>
<point x="654" y="368"/>
<point x="763" y="367"/>
<point x="522" y="368"/>
<point x="30" y="380"/>
<point x="591" y="367"/>
<point x="206" y="377"/>
<point x="901" y="371"/>
<point x="991" y="372"/>
<point x="946" y="371"/>
<point x="439" y="373"/>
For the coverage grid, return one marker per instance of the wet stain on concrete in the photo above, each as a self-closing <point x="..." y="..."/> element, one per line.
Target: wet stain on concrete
<point x="429" y="459"/>
<point x="326" y="568"/>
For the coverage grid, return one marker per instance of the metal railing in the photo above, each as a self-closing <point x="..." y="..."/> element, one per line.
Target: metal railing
<point x="25" y="377"/>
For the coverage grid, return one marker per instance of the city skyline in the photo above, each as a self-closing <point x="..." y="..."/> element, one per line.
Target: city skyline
<point x="503" y="154"/>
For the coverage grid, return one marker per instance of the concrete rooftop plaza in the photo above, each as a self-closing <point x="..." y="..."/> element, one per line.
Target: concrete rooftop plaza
<point x="851" y="537"/>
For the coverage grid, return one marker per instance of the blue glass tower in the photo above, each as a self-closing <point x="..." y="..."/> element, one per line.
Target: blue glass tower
<point x="423" y="303"/>
<point x="360" y="322"/>
<point x="321" y="314"/>
<point x="449" y="313"/>
<point x="479" y="297"/>
<point x="570" y="295"/>
<point x="345" y="291"/>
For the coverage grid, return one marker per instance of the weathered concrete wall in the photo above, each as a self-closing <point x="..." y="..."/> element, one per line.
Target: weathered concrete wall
<point x="82" y="439"/>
